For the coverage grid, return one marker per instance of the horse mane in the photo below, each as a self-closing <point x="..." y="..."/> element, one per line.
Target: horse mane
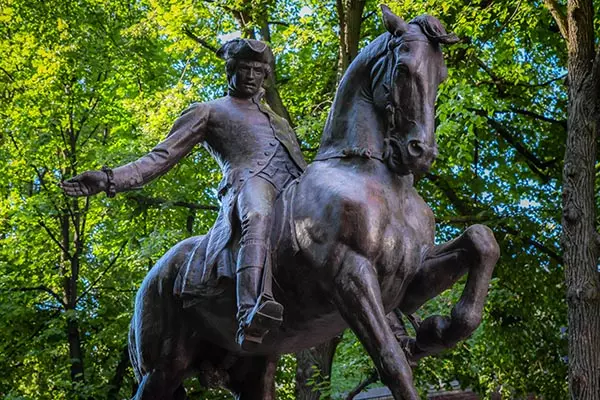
<point x="434" y="30"/>
<point x="431" y="27"/>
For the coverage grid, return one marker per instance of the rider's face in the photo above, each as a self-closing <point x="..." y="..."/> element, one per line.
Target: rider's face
<point x="248" y="78"/>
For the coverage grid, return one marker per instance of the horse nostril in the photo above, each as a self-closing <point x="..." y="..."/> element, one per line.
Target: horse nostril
<point x="415" y="149"/>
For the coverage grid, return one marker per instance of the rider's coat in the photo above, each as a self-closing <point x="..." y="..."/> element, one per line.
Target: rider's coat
<point x="238" y="136"/>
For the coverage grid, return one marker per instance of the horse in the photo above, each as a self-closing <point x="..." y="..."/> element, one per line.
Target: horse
<point x="353" y="240"/>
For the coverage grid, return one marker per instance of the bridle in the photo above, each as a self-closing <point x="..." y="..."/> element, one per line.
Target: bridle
<point x="394" y="150"/>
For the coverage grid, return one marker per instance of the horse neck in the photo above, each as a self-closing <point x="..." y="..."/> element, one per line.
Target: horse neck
<point x="353" y="121"/>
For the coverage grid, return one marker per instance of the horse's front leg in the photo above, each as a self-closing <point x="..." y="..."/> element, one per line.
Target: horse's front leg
<point x="476" y="252"/>
<point x="358" y="298"/>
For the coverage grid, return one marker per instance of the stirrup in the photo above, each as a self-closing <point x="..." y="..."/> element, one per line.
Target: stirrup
<point x="266" y="315"/>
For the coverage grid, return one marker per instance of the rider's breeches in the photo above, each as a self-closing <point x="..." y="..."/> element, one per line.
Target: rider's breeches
<point x="254" y="206"/>
<point x="255" y="209"/>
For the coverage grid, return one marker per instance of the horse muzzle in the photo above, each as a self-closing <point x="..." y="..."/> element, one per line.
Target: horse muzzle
<point x="410" y="156"/>
<point x="419" y="156"/>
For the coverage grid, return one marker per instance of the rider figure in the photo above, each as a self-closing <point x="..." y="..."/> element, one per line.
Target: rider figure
<point x="258" y="154"/>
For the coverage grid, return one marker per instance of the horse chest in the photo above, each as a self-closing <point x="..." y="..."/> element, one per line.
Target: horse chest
<point x="406" y="237"/>
<point x="400" y="249"/>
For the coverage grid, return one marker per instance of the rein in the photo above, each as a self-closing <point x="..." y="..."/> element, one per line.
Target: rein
<point x="353" y="152"/>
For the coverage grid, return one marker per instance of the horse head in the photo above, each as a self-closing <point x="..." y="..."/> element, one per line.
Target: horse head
<point x="385" y="103"/>
<point x="405" y="82"/>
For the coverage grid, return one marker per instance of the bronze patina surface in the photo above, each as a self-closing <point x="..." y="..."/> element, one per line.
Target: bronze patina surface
<point x="346" y="243"/>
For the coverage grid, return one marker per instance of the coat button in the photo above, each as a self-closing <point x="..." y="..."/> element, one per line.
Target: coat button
<point x="267" y="153"/>
<point x="273" y="143"/>
<point x="250" y="171"/>
<point x="260" y="163"/>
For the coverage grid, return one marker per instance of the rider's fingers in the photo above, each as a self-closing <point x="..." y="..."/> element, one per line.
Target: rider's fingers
<point x="69" y="184"/>
<point x="72" y="189"/>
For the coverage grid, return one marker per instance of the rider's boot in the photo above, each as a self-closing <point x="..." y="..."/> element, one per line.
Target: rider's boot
<point x="257" y="313"/>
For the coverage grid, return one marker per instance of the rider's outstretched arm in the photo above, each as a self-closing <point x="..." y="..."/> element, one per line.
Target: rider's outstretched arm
<point x="187" y="131"/>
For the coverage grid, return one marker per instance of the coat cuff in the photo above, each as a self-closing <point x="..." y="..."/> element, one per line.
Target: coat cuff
<point x="127" y="177"/>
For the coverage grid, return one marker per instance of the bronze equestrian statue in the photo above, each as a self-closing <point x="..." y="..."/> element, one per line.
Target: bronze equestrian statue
<point x="350" y="241"/>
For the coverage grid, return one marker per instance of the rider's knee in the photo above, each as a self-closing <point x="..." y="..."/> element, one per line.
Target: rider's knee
<point x="255" y="220"/>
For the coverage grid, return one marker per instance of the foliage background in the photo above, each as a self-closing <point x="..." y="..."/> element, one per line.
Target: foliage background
<point x="98" y="82"/>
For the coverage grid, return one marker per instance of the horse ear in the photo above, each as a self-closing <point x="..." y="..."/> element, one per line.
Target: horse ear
<point x="393" y="23"/>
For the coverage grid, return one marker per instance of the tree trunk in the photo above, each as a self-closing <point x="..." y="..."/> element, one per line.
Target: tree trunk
<point x="350" y="20"/>
<point x="70" y="272"/>
<point x="579" y="239"/>
<point x="117" y="380"/>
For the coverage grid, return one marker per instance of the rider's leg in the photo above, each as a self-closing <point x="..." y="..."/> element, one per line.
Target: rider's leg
<point x="255" y="203"/>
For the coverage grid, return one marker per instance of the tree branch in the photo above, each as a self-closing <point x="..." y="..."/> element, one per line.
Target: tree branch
<point x="470" y="209"/>
<point x="59" y="244"/>
<point x="7" y="74"/>
<point x="558" y="78"/>
<point x="461" y="205"/>
<point x="117" y="380"/>
<point x="372" y="378"/>
<point x="544" y="249"/>
<point x="535" y="164"/>
<point x="40" y="288"/>
<point x="282" y="23"/>
<point x="86" y="115"/>
<point x="507" y="21"/>
<point x="501" y="84"/>
<point x="559" y="17"/>
<point x="465" y="219"/>
<point x="188" y="32"/>
<point x="562" y="123"/>
<point x="109" y="266"/>
<point x="152" y="201"/>
<point x="368" y="15"/>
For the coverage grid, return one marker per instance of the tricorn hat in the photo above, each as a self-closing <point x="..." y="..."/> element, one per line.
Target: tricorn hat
<point x="246" y="49"/>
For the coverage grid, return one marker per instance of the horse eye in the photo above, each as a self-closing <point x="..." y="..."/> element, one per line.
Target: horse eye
<point x="402" y="68"/>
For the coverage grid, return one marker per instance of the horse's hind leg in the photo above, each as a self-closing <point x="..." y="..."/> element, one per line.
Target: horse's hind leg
<point x="475" y="252"/>
<point x="358" y="299"/>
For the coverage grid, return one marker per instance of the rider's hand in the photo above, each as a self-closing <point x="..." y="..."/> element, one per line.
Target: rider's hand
<point x="86" y="184"/>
